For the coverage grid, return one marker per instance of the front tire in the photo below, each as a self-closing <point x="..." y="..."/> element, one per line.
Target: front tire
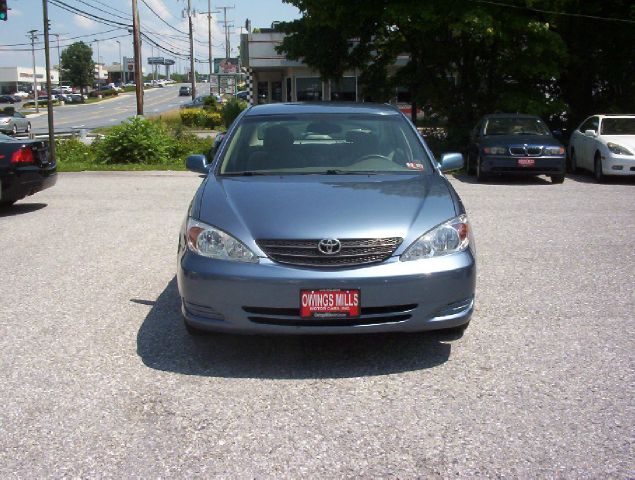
<point x="455" y="332"/>
<point x="14" y="130"/>
<point x="192" y="330"/>
<point x="573" y="165"/>
<point x="557" y="178"/>
<point x="481" y="176"/>
<point x="6" y="203"/>
<point x="28" y="128"/>
<point x="597" y="169"/>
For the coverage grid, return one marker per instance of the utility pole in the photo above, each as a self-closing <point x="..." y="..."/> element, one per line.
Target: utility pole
<point x="49" y="104"/>
<point x="59" y="58"/>
<point x="138" y="80"/>
<point x="33" y="35"/>
<point x="192" y="71"/>
<point x="226" y="26"/>
<point x="209" y="33"/>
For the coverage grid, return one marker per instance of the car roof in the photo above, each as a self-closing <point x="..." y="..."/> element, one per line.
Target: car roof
<point x="322" y="107"/>
<point x="614" y="115"/>
<point x="508" y="115"/>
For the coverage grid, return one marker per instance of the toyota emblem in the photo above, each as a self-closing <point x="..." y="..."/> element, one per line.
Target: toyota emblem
<point x="329" y="246"/>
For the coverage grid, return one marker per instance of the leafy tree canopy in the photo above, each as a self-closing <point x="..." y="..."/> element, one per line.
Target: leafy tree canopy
<point x="77" y="64"/>
<point x="462" y="58"/>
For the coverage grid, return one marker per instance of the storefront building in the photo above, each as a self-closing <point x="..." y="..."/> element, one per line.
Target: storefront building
<point x="15" y="79"/>
<point x="271" y="77"/>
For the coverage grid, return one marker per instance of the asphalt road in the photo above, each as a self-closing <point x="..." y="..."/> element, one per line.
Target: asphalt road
<point x="111" y="111"/>
<point x="99" y="377"/>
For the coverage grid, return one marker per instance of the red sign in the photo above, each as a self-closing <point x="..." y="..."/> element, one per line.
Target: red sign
<point x="329" y="303"/>
<point x="526" y="162"/>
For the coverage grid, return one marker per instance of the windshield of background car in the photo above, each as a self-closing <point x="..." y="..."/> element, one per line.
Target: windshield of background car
<point x="515" y="126"/>
<point x="618" y="126"/>
<point x="324" y="143"/>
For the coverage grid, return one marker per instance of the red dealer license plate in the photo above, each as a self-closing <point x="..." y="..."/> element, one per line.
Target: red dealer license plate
<point x="329" y="303"/>
<point x="526" y="162"/>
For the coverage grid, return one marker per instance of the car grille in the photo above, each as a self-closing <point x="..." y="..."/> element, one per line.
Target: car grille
<point x="291" y="316"/>
<point x="526" y="150"/>
<point x="353" y="252"/>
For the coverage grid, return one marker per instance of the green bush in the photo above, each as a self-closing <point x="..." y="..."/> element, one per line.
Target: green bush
<point x="129" y="88"/>
<point x="209" y="103"/>
<point x="41" y="103"/>
<point x="104" y="93"/>
<point x="71" y="150"/>
<point x="198" y="117"/>
<point x="136" y="141"/>
<point x="231" y="110"/>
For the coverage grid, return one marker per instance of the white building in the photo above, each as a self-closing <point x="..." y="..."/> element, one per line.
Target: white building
<point x="13" y="79"/>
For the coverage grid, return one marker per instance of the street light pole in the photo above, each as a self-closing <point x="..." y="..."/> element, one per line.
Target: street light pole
<point x="192" y="71"/>
<point x="35" y="95"/>
<point x="120" y="63"/>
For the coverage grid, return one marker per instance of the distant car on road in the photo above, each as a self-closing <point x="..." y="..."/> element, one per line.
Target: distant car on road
<point x="9" y="99"/>
<point x="25" y="168"/>
<point x="199" y="101"/>
<point x="604" y="145"/>
<point x="185" y="91"/>
<point x="514" y="144"/>
<point x="325" y="219"/>
<point x="14" y="123"/>
<point x="21" y="94"/>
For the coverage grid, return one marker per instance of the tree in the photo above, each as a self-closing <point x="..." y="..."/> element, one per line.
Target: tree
<point x="464" y="58"/>
<point x="77" y="65"/>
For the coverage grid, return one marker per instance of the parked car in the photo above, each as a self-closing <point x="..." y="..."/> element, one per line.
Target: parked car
<point x="77" y="97"/>
<point x="515" y="144"/>
<point x="14" y="122"/>
<point x="25" y="168"/>
<point x="604" y="145"/>
<point x="21" y="94"/>
<point x="9" y="99"/>
<point x="244" y="95"/>
<point x="327" y="218"/>
<point x="199" y="101"/>
<point x="185" y="91"/>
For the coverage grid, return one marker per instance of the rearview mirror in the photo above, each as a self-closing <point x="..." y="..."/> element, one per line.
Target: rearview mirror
<point x="589" y="133"/>
<point x="451" y="161"/>
<point x="197" y="163"/>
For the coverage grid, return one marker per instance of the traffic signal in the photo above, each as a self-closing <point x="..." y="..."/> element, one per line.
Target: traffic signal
<point x="4" y="15"/>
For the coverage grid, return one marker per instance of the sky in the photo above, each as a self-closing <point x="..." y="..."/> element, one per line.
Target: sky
<point x="25" y="15"/>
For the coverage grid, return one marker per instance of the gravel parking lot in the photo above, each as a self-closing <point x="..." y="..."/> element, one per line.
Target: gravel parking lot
<point x="99" y="377"/>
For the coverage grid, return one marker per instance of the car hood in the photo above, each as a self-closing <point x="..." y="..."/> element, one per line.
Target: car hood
<point x="316" y="207"/>
<point x="493" y="140"/>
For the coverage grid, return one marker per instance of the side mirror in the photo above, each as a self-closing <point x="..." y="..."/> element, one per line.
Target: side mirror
<point x="589" y="133"/>
<point x="451" y="161"/>
<point x="197" y="163"/>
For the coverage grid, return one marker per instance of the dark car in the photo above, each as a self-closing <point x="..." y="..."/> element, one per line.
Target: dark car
<point x="185" y="91"/>
<point x="515" y="144"/>
<point x="325" y="218"/>
<point x="25" y="168"/>
<point x="244" y="95"/>
<point x="9" y="99"/>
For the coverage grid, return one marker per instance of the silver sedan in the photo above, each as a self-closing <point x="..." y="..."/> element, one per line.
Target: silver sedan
<point x="14" y="122"/>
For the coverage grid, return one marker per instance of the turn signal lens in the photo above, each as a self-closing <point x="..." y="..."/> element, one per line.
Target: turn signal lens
<point x="554" y="151"/>
<point x="450" y="237"/>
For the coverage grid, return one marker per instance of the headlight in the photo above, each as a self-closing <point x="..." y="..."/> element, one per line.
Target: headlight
<point x="553" y="151"/>
<point x="214" y="243"/>
<point x="618" y="149"/>
<point x="449" y="237"/>
<point x="494" y="150"/>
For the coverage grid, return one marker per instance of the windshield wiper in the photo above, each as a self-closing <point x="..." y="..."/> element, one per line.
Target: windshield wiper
<point x="337" y="171"/>
<point x="243" y="174"/>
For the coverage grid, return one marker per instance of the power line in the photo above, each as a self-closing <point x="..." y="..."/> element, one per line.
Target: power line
<point x="159" y="17"/>
<point x="127" y="18"/>
<point x="2" y="49"/>
<point x="552" y="12"/>
<point x="82" y="13"/>
<point x="67" y="38"/>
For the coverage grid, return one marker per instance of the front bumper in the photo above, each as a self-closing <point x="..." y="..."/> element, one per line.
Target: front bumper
<point x="622" y="165"/>
<point x="24" y="181"/>
<point x="396" y="296"/>
<point x="503" y="164"/>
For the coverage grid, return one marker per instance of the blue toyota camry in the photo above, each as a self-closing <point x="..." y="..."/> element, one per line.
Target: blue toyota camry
<point x="325" y="218"/>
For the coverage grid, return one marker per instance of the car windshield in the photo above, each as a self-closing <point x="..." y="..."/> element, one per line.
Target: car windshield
<point x="515" y="126"/>
<point x="618" y="126"/>
<point x="324" y="144"/>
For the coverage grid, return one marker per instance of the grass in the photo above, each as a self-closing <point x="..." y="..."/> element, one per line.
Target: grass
<point x="66" y="166"/>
